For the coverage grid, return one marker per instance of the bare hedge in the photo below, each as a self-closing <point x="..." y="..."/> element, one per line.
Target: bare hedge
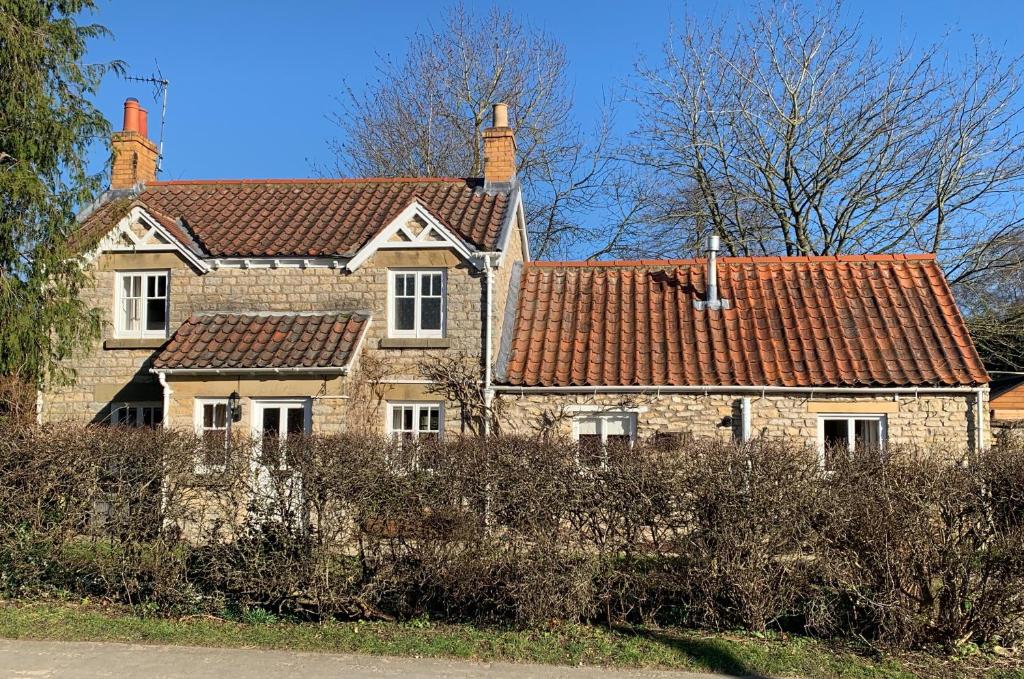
<point x="907" y="550"/>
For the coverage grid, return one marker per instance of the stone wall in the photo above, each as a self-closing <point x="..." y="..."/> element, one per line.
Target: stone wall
<point x="108" y="375"/>
<point x="941" y="421"/>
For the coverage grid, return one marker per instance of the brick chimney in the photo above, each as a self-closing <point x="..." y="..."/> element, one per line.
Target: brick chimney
<point x="135" y="156"/>
<point x="499" y="149"/>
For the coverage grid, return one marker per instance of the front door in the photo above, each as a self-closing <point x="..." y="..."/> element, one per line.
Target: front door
<point x="274" y="422"/>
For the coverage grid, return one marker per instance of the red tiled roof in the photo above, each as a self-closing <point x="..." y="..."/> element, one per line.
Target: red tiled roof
<point x="317" y="217"/>
<point x="875" y="320"/>
<point x="229" y="341"/>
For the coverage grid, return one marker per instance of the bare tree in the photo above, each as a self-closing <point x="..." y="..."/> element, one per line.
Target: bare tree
<point x="425" y="115"/>
<point x="791" y="133"/>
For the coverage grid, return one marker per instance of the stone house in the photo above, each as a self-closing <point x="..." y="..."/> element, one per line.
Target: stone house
<point x="285" y="306"/>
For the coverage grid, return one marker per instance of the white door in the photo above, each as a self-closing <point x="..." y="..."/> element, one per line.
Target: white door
<point x="274" y="421"/>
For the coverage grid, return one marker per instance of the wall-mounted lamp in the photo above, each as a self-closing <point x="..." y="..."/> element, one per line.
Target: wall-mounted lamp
<point x="235" y="406"/>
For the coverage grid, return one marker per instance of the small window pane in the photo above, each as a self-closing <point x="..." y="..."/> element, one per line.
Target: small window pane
<point x="271" y="423"/>
<point x="405" y="313"/>
<point x="156" y="314"/>
<point x="429" y="419"/>
<point x="587" y="426"/>
<point x="296" y="421"/>
<point x="130" y="314"/>
<point x="866" y="434"/>
<point x="616" y="426"/>
<point x="152" y="416"/>
<point x="836" y="434"/>
<point x="407" y="419"/>
<point x="430" y="310"/>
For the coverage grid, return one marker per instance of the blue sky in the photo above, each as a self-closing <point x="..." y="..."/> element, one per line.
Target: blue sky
<point x="252" y="82"/>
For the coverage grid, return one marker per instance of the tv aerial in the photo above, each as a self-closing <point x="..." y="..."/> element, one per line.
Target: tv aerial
<point x="159" y="84"/>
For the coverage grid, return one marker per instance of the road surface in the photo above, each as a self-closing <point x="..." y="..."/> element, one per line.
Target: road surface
<point x="87" y="660"/>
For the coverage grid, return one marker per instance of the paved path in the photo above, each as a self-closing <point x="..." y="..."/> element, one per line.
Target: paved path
<point x="84" y="660"/>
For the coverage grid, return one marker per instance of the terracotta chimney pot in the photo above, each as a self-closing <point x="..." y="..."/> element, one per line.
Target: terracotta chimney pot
<point x="131" y="115"/>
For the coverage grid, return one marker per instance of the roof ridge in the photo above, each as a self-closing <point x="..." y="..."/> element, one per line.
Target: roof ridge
<point x="760" y="259"/>
<point x="311" y="180"/>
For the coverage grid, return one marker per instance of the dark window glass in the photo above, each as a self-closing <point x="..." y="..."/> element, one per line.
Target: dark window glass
<point x="151" y="417"/>
<point x="271" y="449"/>
<point x="837" y="440"/>
<point x="271" y="423"/>
<point x="296" y="421"/>
<point x="156" y="314"/>
<point x="430" y="310"/>
<point x="405" y="313"/>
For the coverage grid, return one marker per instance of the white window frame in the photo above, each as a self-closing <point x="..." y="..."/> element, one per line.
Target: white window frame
<point x="138" y="407"/>
<point x="851" y="419"/>
<point x="416" y="406"/>
<point x="285" y="404"/>
<point x="417" y="331"/>
<point x="120" y="331"/>
<point x="200" y="404"/>
<point x="601" y="417"/>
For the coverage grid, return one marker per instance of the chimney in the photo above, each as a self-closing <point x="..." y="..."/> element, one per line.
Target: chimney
<point x="135" y="156"/>
<point x="712" y="301"/>
<point x="499" y="150"/>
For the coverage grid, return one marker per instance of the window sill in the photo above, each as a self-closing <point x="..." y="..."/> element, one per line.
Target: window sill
<point x="135" y="343"/>
<point x="415" y="343"/>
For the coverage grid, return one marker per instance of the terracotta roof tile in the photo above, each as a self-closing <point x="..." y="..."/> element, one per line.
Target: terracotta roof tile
<point x="316" y="217"/>
<point x="244" y="341"/>
<point x="868" y="320"/>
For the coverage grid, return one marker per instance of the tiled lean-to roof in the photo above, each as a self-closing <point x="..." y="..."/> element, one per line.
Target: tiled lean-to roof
<point x="847" y="321"/>
<point x="313" y="217"/>
<point x="248" y="341"/>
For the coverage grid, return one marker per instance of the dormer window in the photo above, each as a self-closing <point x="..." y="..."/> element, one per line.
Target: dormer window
<point x="416" y="303"/>
<point x="142" y="304"/>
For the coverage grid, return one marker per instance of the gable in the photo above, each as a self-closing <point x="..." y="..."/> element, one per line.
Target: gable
<point x="415" y="228"/>
<point x="141" y="232"/>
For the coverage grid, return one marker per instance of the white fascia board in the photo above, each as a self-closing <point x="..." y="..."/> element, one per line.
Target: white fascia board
<point x="511" y="221"/>
<point x="138" y="213"/>
<point x="382" y="241"/>
<point x="357" y="348"/>
<point x="277" y="262"/>
<point x="326" y="370"/>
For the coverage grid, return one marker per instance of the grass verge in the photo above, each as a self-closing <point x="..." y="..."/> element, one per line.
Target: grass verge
<point x="563" y="645"/>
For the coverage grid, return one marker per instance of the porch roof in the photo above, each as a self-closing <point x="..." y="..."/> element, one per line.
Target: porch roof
<point x="262" y="341"/>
